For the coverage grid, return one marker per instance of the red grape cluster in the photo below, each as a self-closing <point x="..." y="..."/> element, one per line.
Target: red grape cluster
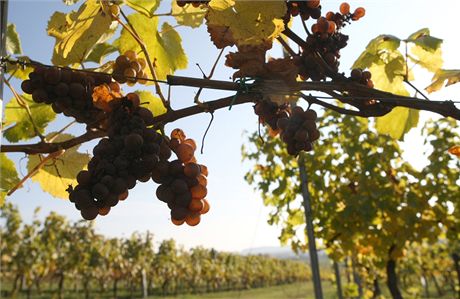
<point x="326" y="41"/>
<point x="270" y="112"/>
<point x="182" y="3"/>
<point x="68" y="91"/>
<point x="305" y="9"/>
<point x="182" y="182"/>
<point x="299" y="130"/>
<point x="130" y="153"/>
<point x="128" y="67"/>
<point x="362" y="77"/>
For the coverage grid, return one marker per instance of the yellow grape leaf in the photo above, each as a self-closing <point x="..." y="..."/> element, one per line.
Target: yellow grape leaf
<point x="250" y="22"/>
<point x="17" y="121"/>
<point x="455" y="150"/>
<point x="56" y="175"/>
<point x="188" y="15"/>
<point x="388" y="77"/>
<point x="398" y="122"/>
<point x="437" y="82"/>
<point x="78" y="32"/>
<point x="221" y="4"/>
<point x="164" y="47"/>
<point x="19" y="71"/>
<point x="432" y="61"/>
<point x="145" y="7"/>
<point x="8" y="178"/>
<point x="423" y="39"/>
<point x="13" y="43"/>
<point x="154" y="103"/>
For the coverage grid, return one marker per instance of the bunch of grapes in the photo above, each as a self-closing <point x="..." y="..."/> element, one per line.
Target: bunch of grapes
<point x="130" y="153"/>
<point x="182" y="182"/>
<point x="355" y="16"/>
<point x="182" y="3"/>
<point x="128" y="67"/>
<point x="299" y="130"/>
<point x="68" y="91"/>
<point x="305" y="9"/>
<point x="362" y="77"/>
<point x="270" y="112"/>
<point x="327" y="41"/>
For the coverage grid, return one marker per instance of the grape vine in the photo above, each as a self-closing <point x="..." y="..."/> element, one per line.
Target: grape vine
<point x="134" y="147"/>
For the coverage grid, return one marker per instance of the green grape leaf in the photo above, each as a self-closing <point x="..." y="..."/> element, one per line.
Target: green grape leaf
<point x="19" y="71"/>
<point x="432" y="61"/>
<point x="20" y="126"/>
<point x="440" y="77"/>
<point x="296" y="217"/>
<point x="165" y="47"/>
<point x="154" y="103"/>
<point x="422" y="38"/>
<point x="145" y="7"/>
<point x="78" y="32"/>
<point x="252" y="23"/>
<point x="9" y="176"/>
<point x="13" y="43"/>
<point x="377" y="47"/>
<point x="188" y="15"/>
<point x="398" y="122"/>
<point x="281" y="188"/>
<point x="57" y="174"/>
<point x="99" y="52"/>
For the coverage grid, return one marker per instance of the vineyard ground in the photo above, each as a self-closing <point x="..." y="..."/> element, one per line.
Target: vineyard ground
<point x="300" y="290"/>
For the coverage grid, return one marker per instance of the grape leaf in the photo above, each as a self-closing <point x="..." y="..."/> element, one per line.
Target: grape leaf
<point x="78" y="32"/>
<point x="154" y="103"/>
<point x="377" y="47"/>
<point x="99" y="51"/>
<point x="56" y="176"/>
<point x="165" y="47"/>
<point x="437" y="82"/>
<point x="19" y="71"/>
<point x="9" y="176"/>
<point x="296" y="217"/>
<point x="188" y="15"/>
<point x="398" y="122"/>
<point x="145" y="7"/>
<point x="13" y="43"/>
<point x="422" y="38"/>
<point x="389" y="77"/>
<point x="432" y="61"/>
<point x="250" y="22"/>
<point x="21" y="127"/>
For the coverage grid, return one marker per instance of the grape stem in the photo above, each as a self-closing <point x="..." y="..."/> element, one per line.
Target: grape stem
<point x="132" y="31"/>
<point x="34" y="170"/>
<point x="197" y="96"/>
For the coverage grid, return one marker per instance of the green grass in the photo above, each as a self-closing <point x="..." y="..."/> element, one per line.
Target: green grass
<point x="291" y="291"/>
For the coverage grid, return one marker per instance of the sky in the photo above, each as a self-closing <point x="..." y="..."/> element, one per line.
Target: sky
<point x="237" y="219"/>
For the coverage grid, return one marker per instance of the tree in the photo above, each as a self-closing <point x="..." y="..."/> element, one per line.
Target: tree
<point x="373" y="205"/>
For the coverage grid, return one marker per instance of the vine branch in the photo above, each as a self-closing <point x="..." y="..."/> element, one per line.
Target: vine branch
<point x="170" y="116"/>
